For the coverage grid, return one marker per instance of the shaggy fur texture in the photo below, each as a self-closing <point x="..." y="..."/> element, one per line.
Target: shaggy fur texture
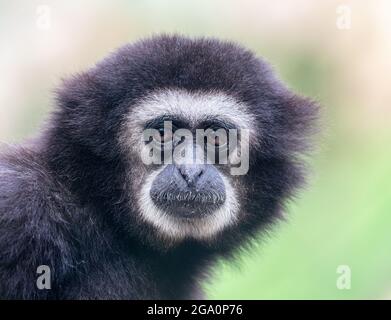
<point x="66" y="202"/>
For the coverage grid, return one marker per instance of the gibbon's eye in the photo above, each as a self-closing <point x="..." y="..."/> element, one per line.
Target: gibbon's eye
<point x="217" y="138"/>
<point x="162" y="137"/>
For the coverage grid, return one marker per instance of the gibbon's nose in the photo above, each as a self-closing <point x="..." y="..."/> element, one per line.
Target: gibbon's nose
<point x="191" y="173"/>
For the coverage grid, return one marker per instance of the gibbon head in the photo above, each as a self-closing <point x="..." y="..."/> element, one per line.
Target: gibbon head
<point x="186" y="139"/>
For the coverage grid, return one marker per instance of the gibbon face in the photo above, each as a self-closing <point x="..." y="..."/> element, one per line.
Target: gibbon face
<point x="198" y="139"/>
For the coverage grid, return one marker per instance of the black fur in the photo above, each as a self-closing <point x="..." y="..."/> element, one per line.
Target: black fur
<point x="64" y="200"/>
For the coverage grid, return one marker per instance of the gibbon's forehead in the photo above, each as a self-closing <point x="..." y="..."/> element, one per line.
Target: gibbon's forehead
<point x="193" y="107"/>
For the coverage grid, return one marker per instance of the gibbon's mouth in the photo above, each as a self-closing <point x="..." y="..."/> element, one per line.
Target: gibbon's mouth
<point x="190" y="204"/>
<point x="188" y="191"/>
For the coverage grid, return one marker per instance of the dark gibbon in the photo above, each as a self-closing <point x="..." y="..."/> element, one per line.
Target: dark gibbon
<point x="103" y="199"/>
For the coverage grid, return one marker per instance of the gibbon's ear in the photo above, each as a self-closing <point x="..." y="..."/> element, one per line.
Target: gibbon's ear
<point x="292" y="128"/>
<point x="75" y="91"/>
<point x="86" y="114"/>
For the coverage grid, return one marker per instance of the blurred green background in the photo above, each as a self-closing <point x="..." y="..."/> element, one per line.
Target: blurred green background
<point x="338" y="52"/>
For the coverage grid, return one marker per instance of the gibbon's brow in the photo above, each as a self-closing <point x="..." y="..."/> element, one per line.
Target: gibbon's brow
<point x="178" y="122"/>
<point x="158" y="122"/>
<point x="216" y="123"/>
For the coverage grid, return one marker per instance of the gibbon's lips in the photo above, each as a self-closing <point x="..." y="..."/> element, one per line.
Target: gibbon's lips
<point x="189" y="204"/>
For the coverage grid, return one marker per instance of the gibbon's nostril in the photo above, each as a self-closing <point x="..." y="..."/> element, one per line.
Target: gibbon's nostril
<point x="191" y="173"/>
